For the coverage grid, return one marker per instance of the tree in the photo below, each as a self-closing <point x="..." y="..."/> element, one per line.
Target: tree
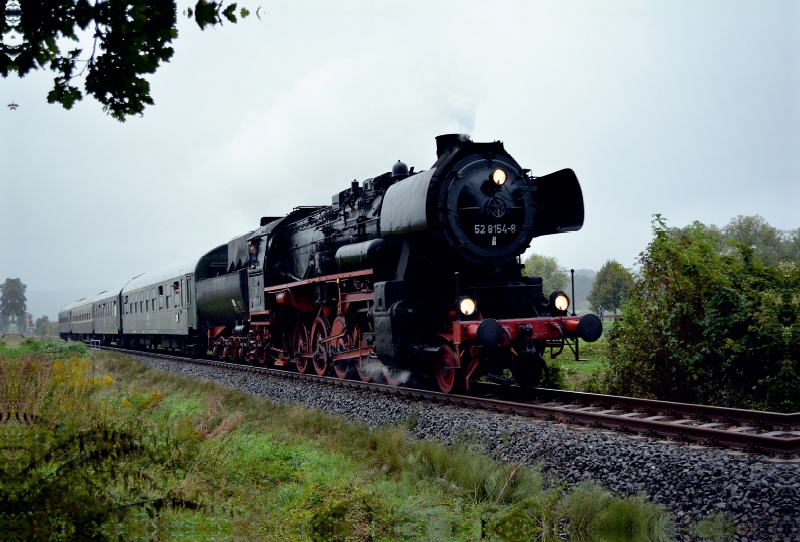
<point x="753" y="231"/>
<point x="792" y="245"/>
<point x="611" y="287"/>
<point x="45" y="327"/>
<point x="12" y="301"/>
<point x="554" y="277"/>
<point x="131" y="38"/>
<point x="766" y="242"/>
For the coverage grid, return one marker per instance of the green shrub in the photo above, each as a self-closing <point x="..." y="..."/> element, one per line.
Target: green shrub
<point x="707" y="322"/>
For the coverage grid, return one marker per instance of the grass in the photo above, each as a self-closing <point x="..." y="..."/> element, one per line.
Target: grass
<point x="717" y="528"/>
<point x="583" y="374"/>
<point x="262" y="471"/>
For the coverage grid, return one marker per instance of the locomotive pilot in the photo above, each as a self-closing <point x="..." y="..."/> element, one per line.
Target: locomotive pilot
<point x="253" y="256"/>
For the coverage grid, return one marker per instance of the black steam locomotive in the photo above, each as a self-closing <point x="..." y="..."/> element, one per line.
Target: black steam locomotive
<point x="405" y="275"/>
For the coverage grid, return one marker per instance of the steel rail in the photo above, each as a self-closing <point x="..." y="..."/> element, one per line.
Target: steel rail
<point x="746" y="430"/>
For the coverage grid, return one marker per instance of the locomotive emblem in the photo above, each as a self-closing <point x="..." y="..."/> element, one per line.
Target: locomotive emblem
<point x="496" y="207"/>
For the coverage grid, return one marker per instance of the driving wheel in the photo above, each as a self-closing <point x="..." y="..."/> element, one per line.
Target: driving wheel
<point x="447" y="369"/>
<point x="300" y="347"/>
<point x="319" y="346"/>
<point x="340" y="326"/>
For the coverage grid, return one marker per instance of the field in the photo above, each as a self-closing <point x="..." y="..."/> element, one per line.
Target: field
<point x="205" y="462"/>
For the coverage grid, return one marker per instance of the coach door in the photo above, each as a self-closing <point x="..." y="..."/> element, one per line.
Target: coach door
<point x="187" y="300"/>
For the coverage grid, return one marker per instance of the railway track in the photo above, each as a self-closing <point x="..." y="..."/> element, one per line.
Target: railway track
<point x="746" y="431"/>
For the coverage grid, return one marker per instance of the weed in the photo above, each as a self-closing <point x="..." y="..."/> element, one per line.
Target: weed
<point x="718" y="528"/>
<point x="412" y="420"/>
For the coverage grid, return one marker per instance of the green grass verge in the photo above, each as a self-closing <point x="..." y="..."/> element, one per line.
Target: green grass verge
<point x="261" y="471"/>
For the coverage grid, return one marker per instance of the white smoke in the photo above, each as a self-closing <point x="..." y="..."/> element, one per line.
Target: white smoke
<point x="378" y="371"/>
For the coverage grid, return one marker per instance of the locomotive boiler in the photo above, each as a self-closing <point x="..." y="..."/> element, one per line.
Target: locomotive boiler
<point x="407" y="275"/>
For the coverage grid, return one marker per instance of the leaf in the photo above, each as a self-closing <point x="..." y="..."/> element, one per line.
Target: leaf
<point x="229" y="13"/>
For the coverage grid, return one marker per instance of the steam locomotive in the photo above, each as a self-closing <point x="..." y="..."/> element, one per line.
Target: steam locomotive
<point x="407" y="275"/>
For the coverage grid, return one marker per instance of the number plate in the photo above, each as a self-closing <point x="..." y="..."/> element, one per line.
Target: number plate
<point x="495" y="229"/>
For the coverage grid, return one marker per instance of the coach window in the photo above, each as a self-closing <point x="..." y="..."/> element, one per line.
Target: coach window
<point x="188" y="292"/>
<point x="160" y="297"/>
<point x="183" y="293"/>
<point x="167" y="301"/>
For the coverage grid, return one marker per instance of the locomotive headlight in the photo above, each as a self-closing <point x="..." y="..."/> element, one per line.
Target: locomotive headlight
<point x="467" y="306"/>
<point x="499" y="177"/>
<point x="562" y="302"/>
<point x="559" y="301"/>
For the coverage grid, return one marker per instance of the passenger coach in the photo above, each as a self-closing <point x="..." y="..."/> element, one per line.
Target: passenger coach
<point x="158" y="309"/>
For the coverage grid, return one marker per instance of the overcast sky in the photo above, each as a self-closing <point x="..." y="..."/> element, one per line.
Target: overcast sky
<point x="688" y="109"/>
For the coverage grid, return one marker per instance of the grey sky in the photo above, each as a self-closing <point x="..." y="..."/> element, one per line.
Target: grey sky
<point x="688" y="109"/>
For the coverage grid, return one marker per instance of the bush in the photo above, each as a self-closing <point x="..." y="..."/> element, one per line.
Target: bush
<point x="708" y="322"/>
<point x="74" y="465"/>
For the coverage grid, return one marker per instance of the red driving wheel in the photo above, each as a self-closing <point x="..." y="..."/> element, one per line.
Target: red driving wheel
<point x="300" y="347"/>
<point x="344" y="343"/>
<point x="447" y="369"/>
<point x="320" y="331"/>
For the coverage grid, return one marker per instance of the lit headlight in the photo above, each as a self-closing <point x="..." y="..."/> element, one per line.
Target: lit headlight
<point x="559" y="301"/>
<point x="499" y="177"/>
<point x="467" y="306"/>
